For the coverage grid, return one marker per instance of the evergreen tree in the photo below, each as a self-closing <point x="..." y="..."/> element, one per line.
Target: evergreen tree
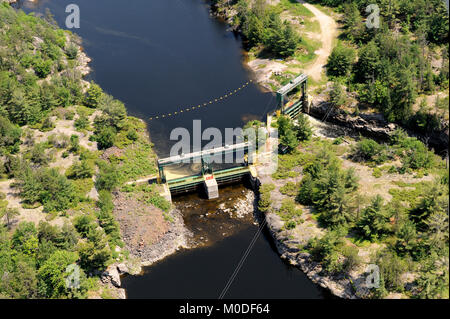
<point x="374" y="221"/>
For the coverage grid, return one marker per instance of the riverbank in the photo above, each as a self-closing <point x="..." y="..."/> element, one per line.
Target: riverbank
<point x="338" y="259"/>
<point x="78" y="157"/>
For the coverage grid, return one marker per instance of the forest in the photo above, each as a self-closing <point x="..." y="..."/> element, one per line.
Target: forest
<point x="407" y="233"/>
<point x="42" y="86"/>
<point x="394" y="66"/>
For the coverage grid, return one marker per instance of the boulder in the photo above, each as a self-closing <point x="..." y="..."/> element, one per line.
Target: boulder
<point x="111" y="275"/>
<point x="122" y="268"/>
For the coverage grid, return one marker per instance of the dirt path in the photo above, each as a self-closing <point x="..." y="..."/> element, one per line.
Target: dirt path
<point x="329" y="30"/>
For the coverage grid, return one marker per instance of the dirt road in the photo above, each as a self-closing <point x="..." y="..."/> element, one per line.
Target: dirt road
<point x="329" y="30"/>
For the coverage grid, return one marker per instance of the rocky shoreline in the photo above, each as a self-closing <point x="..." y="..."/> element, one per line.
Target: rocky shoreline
<point x="350" y="287"/>
<point x="175" y="237"/>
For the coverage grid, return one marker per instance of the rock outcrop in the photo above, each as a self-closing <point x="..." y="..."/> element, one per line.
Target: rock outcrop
<point x="374" y="125"/>
<point x="349" y="286"/>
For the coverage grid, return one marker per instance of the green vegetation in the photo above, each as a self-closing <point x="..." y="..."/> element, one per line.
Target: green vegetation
<point x="261" y="25"/>
<point x="290" y="213"/>
<point x="57" y="172"/>
<point x="406" y="234"/>
<point x="264" y="197"/>
<point x="329" y="188"/>
<point x="412" y="227"/>
<point x="292" y="133"/>
<point x="412" y="153"/>
<point x="394" y="62"/>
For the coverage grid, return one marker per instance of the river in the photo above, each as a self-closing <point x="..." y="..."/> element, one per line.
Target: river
<point x="161" y="56"/>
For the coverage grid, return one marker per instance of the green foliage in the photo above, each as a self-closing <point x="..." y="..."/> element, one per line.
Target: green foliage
<point x="264" y="197"/>
<point x="289" y="189"/>
<point x="114" y="113"/>
<point x="328" y="187"/>
<point x="32" y="43"/>
<point x="93" y="96"/>
<point x="84" y="224"/>
<point x="52" y="274"/>
<point x="370" y="151"/>
<point x="38" y="154"/>
<point x="33" y="262"/>
<point x="287" y="164"/>
<point x="287" y="133"/>
<point x="340" y="61"/>
<point x="326" y="251"/>
<point x="303" y="128"/>
<point x="72" y="51"/>
<point x="414" y="154"/>
<point x="352" y="259"/>
<point x="433" y="280"/>
<point x="289" y="212"/>
<point x="47" y="187"/>
<point x="81" y="123"/>
<point x="82" y="169"/>
<point x="391" y="268"/>
<point x="94" y="254"/>
<point x="149" y="194"/>
<point x="374" y="221"/>
<point x="74" y="144"/>
<point x="105" y="137"/>
<point x="106" y="218"/>
<point x="9" y="136"/>
<point x="377" y="172"/>
<point x="8" y="213"/>
<point x="337" y="95"/>
<point x="137" y="162"/>
<point x="261" y="26"/>
<point x="434" y="200"/>
<point x="392" y="66"/>
<point x="25" y="239"/>
<point x="259" y="130"/>
<point x="108" y="177"/>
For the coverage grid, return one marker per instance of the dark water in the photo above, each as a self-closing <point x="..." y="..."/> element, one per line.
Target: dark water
<point x="160" y="56"/>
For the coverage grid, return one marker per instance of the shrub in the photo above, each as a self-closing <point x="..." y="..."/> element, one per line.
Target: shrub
<point x="369" y="150"/>
<point x="352" y="260"/>
<point x="47" y="187"/>
<point x="288" y="210"/>
<point x="79" y="170"/>
<point x="377" y="172"/>
<point x="289" y="189"/>
<point x="105" y="138"/>
<point x="9" y="136"/>
<point x="108" y="177"/>
<point x="72" y="51"/>
<point x="374" y="221"/>
<point x="326" y="251"/>
<point x="84" y="224"/>
<point x="81" y="123"/>
<point x="132" y="135"/>
<point x="290" y="225"/>
<point x="264" y="199"/>
<point x="42" y="68"/>
<point x="74" y="144"/>
<point x="391" y="269"/>
<point x="38" y="154"/>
